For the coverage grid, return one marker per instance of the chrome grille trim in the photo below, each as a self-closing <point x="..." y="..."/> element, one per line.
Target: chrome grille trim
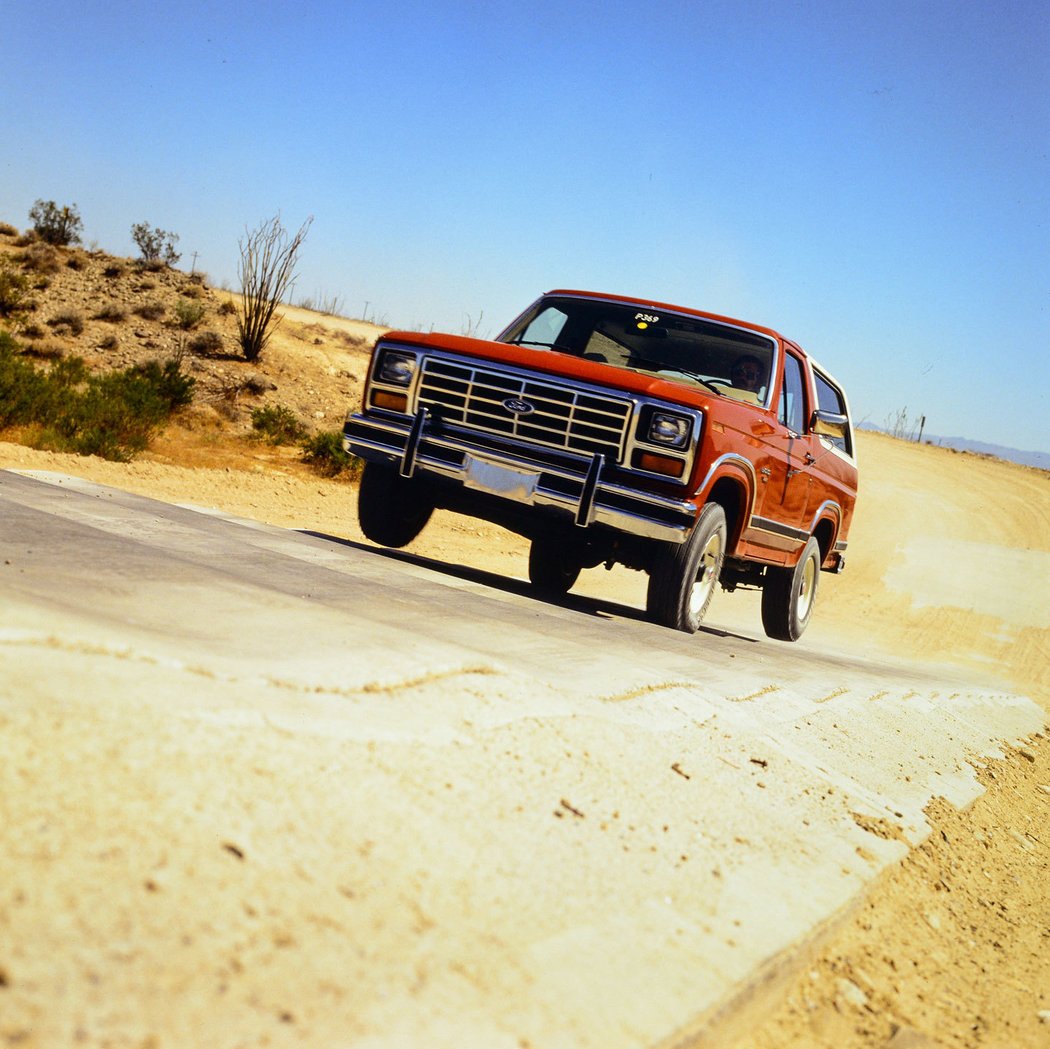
<point x="565" y="417"/>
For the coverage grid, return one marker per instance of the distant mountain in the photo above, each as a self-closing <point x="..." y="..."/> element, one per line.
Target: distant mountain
<point x="1040" y="460"/>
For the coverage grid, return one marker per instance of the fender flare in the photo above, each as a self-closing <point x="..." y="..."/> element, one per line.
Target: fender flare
<point x="830" y="511"/>
<point x="740" y="471"/>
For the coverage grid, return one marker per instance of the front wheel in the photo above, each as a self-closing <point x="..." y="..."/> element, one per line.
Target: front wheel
<point x="789" y="594"/>
<point x="552" y="567"/>
<point x="683" y="577"/>
<point x="392" y="509"/>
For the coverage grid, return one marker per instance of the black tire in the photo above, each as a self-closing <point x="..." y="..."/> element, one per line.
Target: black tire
<point x="683" y="577"/>
<point x="789" y="594"/>
<point x="552" y="569"/>
<point x="392" y="510"/>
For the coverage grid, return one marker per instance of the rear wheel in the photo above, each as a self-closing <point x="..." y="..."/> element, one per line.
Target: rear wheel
<point x="392" y="509"/>
<point x="789" y="594"/>
<point x="683" y="577"/>
<point x="552" y="569"/>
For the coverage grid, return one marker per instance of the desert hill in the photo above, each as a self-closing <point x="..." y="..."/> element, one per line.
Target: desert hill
<point x="114" y="312"/>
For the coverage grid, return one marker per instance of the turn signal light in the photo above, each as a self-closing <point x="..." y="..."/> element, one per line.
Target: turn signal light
<point x="660" y="464"/>
<point x="393" y="402"/>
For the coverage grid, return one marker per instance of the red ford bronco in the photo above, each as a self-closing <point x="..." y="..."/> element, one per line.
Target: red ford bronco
<point x="701" y="450"/>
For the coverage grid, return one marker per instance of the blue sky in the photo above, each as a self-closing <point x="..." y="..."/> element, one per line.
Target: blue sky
<point x="871" y="179"/>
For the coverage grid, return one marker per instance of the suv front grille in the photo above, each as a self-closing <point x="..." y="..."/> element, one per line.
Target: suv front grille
<point x="563" y="416"/>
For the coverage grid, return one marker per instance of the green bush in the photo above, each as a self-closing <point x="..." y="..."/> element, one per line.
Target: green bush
<point x="55" y="225"/>
<point x="188" y="314"/>
<point x="277" y="424"/>
<point x="172" y="386"/>
<point x="24" y="391"/>
<point x="14" y="293"/>
<point x="324" y="451"/>
<point x="113" y="415"/>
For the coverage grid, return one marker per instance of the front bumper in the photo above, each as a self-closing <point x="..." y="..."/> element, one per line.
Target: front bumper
<point x="527" y="476"/>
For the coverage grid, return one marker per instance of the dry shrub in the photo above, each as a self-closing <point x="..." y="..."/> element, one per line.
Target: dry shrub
<point x="40" y="258"/>
<point x="151" y="311"/>
<point x="267" y="270"/>
<point x="45" y="351"/>
<point x="354" y="342"/>
<point x="206" y="343"/>
<point x="67" y="321"/>
<point x="111" y="312"/>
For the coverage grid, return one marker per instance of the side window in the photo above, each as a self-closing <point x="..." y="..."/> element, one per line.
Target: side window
<point x="830" y="399"/>
<point x="792" y="396"/>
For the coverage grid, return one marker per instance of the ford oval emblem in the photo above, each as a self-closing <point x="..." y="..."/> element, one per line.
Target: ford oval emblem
<point x="516" y="406"/>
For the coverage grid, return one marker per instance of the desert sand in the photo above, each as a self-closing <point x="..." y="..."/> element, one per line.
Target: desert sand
<point x="949" y="565"/>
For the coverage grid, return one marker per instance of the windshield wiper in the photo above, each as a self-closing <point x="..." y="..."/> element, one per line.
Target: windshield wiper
<point x="664" y="365"/>
<point x="533" y="342"/>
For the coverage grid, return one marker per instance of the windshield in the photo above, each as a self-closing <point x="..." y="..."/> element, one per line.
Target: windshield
<point x="675" y="346"/>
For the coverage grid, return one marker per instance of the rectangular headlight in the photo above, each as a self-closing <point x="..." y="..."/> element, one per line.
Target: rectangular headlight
<point x="669" y="430"/>
<point x="396" y="368"/>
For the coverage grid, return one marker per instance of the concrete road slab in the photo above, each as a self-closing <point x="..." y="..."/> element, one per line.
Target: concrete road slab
<point x="469" y="816"/>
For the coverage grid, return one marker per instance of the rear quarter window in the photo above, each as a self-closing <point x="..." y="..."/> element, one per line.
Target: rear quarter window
<point x="830" y="399"/>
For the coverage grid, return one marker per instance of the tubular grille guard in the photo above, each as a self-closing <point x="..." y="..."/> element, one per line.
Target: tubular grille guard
<point x="563" y="416"/>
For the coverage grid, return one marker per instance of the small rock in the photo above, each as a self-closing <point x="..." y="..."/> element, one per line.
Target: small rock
<point x="1045" y="788"/>
<point x="1026" y="754"/>
<point x="851" y="992"/>
<point x="1021" y="840"/>
<point x="909" y="1038"/>
<point x="933" y="920"/>
<point x="1044" y="1016"/>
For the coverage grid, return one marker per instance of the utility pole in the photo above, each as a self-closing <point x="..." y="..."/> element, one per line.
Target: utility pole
<point x="193" y="265"/>
<point x="922" y="423"/>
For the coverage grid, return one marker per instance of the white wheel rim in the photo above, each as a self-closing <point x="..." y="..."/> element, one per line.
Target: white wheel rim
<point x="704" y="583"/>
<point x="807" y="588"/>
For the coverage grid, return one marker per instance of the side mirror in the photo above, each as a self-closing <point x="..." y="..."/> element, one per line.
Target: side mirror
<point x="829" y="424"/>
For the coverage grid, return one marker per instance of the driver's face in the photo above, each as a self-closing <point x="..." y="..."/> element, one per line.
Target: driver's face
<point x="747" y="375"/>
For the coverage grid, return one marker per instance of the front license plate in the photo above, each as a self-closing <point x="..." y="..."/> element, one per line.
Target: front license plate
<point x="500" y="480"/>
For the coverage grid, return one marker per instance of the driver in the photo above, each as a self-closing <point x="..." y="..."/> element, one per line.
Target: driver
<point x="746" y="373"/>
